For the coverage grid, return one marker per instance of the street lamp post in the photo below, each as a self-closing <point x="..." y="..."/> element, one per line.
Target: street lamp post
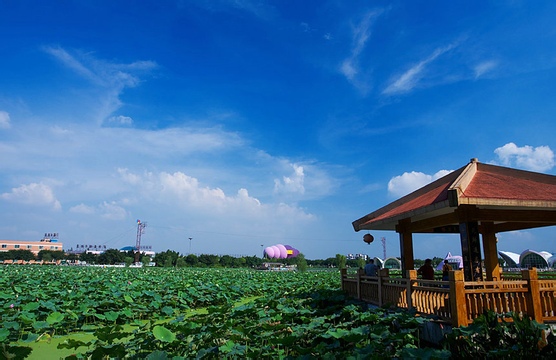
<point x="190" y="244"/>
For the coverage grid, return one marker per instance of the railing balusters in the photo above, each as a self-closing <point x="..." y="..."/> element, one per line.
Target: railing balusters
<point x="461" y="301"/>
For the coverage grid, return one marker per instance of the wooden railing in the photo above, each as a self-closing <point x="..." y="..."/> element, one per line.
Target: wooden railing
<point x="457" y="301"/>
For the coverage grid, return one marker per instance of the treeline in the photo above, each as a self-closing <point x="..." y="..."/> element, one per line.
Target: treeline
<point x="170" y="258"/>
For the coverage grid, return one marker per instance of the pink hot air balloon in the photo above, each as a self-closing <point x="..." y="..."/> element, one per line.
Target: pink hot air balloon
<point x="276" y="254"/>
<point x="269" y="251"/>
<point x="283" y="251"/>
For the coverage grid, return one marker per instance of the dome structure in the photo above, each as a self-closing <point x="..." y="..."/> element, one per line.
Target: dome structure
<point x="552" y="261"/>
<point x="531" y="258"/>
<point x="392" y="263"/>
<point x="511" y="259"/>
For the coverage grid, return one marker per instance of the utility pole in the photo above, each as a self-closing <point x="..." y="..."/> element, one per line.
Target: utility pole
<point x="384" y="247"/>
<point x="140" y="230"/>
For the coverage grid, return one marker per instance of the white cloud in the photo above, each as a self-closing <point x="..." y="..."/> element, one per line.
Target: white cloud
<point x="484" y="67"/>
<point x="120" y="120"/>
<point x="109" y="77"/>
<point x="185" y="193"/>
<point x="112" y="211"/>
<point x="411" y="78"/>
<point x="108" y="210"/>
<point x="292" y="183"/>
<point x="82" y="209"/>
<point x="4" y="120"/>
<point x="410" y="181"/>
<point x="360" y="35"/>
<point x="538" y="159"/>
<point x="33" y="194"/>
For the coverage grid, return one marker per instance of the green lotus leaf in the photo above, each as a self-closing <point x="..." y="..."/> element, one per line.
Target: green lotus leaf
<point x="31" y="306"/>
<point x="163" y="334"/>
<point x="39" y="325"/>
<point x="54" y="318"/>
<point x="4" y="333"/>
<point x="111" y="315"/>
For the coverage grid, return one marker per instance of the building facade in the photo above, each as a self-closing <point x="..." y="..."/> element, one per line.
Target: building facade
<point x="49" y="242"/>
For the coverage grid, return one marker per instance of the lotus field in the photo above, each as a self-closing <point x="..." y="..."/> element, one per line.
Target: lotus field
<point x="159" y="313"/>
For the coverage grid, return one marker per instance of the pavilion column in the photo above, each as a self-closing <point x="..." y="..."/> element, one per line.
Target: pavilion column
<point x="490" y="250"/>
<point x="470" y="242"/>
<point x="406" y="245"/>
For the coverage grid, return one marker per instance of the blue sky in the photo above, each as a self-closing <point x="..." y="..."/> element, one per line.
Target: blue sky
<point x="244" y="124"/>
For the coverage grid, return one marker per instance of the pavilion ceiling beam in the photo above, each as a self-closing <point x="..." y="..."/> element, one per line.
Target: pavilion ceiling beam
<point x="428" y="225"/>
<point x="514" y="226"/>
<point x="530" y="216"/>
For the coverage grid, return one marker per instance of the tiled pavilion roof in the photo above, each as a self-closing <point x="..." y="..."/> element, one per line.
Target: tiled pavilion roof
<point x="510" y="198"/>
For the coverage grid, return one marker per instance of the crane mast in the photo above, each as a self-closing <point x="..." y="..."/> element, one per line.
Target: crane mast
<point x="140" y="230"/>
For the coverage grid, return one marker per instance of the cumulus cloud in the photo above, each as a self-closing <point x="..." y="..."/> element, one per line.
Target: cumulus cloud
<point x="112" y="211"/>
<point x="183" y="191"/>
<point x="33" y="194"/>
<point x="108" y="210"/>
<point x="292" y="183"/>
<point x="4" y="120"/>
<point x="410" y="79"/>
<point x="538" y="159"/>
<point x="82" y="209"/>
<point x="410" y="181"/>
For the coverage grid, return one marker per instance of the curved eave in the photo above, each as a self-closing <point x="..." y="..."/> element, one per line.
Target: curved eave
<point x="510" y="203"/>
<point x="390" y="223"/>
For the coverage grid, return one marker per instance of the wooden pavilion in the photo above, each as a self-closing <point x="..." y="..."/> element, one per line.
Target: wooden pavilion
<point x="477" y="199"/>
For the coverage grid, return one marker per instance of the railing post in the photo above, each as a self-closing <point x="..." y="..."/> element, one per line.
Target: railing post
<point x="533" y="294"/>
<point x="411" y="275"/>
<point x="343" y="275"/>
<point x="360" y="272"/>
<point x="381" y="273"/>
<point x="458" y="305"/>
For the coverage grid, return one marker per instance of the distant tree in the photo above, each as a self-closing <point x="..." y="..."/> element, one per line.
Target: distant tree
<point x="341" y="261"/>
<point x="168" y="263"/>
<point x="209" y="260"/>
<point x="88" y="257"/>
<point x="111" y="257"/>
<point x="128" y="260"/>
<point x="329" y="262"/>
<point x="360" y="263"/>
<point x="21" y="254"/>
<point x="180" y="262"/>
<point x="51" y="255"/>
<point x="71" y="257"/>
<point x="192" y="260"/>
<point x="301" y="262"/>
<point x="145" y="260"/>
<point x="253" y="261"/>
<point x="226" y="261"/>
<point x="166" y="258"/>
<point x="47" y="257"/>
<point x="239" y="262"/>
